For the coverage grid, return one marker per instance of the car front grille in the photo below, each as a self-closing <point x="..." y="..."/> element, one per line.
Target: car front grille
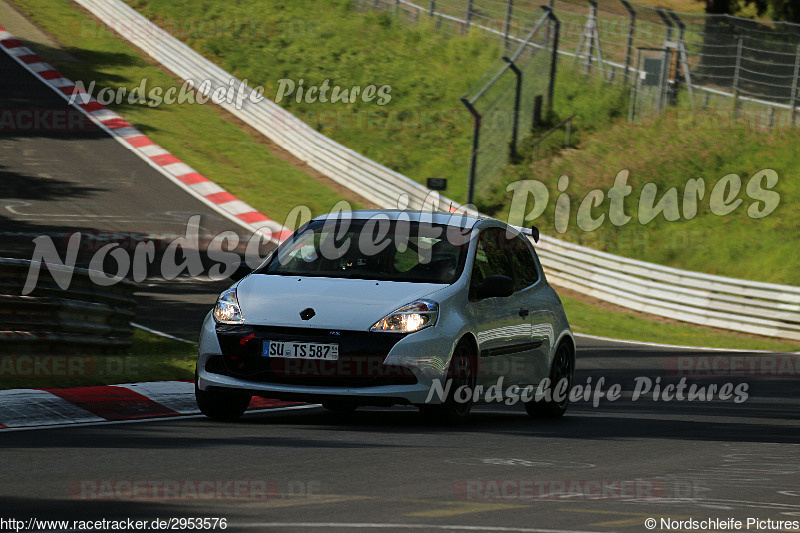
<point x="360" y="363"/>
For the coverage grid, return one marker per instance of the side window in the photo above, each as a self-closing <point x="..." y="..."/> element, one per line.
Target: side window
<point x="524" y="264"/>
<point x="492" y="256"/>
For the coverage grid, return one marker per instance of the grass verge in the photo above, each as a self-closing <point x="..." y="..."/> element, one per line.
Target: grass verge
<point x="150" y="358"/>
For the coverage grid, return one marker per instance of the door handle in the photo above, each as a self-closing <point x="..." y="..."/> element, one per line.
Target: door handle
<point x="523" y="313"/>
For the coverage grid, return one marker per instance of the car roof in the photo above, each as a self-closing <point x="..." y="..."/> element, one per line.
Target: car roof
<point x="460" y="220"/>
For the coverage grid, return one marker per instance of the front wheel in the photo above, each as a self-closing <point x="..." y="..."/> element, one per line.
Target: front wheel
<point x="563" y="368"/>
<point x="219" y="405"/>
<point x="462" y="372"/>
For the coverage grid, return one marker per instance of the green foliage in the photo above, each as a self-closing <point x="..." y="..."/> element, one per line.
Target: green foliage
<point x="667" y="152"/>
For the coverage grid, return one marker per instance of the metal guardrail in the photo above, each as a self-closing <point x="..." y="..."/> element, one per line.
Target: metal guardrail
<point x="86" y="316"/>
<point x="738" y="305"/>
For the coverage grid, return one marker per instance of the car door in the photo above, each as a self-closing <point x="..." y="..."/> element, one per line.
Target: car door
<point x="503" y="327"/>
<point x="531" y="364"/>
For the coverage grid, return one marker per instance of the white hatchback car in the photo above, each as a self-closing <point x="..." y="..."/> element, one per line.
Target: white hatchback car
<point x="390" y="307"/>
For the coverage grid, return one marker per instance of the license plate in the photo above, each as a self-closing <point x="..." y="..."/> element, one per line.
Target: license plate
<point x="301" y="350"/>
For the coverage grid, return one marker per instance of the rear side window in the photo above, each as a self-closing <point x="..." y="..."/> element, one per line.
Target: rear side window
<point x="491" y="256"/>
<point x="496" y="254"/>
<point x="527" y="273"/>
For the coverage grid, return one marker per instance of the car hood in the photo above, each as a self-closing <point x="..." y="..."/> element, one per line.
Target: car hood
<point x="345" y="304"/>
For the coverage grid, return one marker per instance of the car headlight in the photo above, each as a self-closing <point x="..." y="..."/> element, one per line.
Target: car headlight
<point x="227" y="310"/>
<point x="409" y="318"/>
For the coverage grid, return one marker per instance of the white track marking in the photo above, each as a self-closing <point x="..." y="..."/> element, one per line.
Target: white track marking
<point x="142" y="420"/>
<point x="160" y="333"/>
<point x="175" y="395"/>
<point x="23" y="407"/>
<point x="677" y="346"/>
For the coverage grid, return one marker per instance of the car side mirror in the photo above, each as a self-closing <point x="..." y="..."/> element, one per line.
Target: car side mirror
<point x="496" y="287"/>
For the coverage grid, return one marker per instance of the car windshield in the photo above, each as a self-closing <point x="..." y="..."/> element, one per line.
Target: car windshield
<point x="375" y="249"/>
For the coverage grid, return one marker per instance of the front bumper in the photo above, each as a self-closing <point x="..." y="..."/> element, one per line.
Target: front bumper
<point x="373" y="368"/>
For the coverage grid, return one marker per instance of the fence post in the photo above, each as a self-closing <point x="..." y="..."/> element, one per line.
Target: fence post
<point x="507" y="24"/>
<point x="631" y="33"/>
<point x="667" y="23"/>
<point x="475" y="144"/>
<point x="468" y="17"/>
<point x="593" y="24"/>
<point x="634" y="88"/>
<point x="536" y="119"/>
<point x="736" y="75"/>
<point x="517" y="96"/>
<point x="793" y="100"/>
<point x="681" y="31"/>
<point x="551" y="84"/>
<point x="432" y="8"/>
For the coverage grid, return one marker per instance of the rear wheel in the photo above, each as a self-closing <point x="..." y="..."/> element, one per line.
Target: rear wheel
<point x="219" y="405"/>
<point x="563" y="368"/>
<point x="463" y="373"/>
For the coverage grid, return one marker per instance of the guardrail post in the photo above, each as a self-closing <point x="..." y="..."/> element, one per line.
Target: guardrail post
<point x="517" y="96"/>
<point x="631" y="33"/>
<point x="507" y="23"/>
<point x="793" y="99"/>
<point x="551" y="84"/>
<point x="475" y="144"/>
<point x="736" y="75"/>
<point x="468" y="16"/>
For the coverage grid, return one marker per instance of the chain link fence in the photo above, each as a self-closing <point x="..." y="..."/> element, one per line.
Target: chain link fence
<point x="507" y="103"/>
<point x="513" y="96"/>
<point x="725" y="63"/>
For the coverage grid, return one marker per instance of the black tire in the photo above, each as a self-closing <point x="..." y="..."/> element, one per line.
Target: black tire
<point x="340" y="407"/>
<point x="219" y="405"/>
<point x="463" y="372"/>
<point x="563" y="367"/>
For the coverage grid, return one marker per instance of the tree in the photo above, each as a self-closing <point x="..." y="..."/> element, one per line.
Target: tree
<point x="784" y="10"/>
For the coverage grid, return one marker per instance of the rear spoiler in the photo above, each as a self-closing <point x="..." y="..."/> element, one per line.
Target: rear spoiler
<point x="532" y="232"/>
